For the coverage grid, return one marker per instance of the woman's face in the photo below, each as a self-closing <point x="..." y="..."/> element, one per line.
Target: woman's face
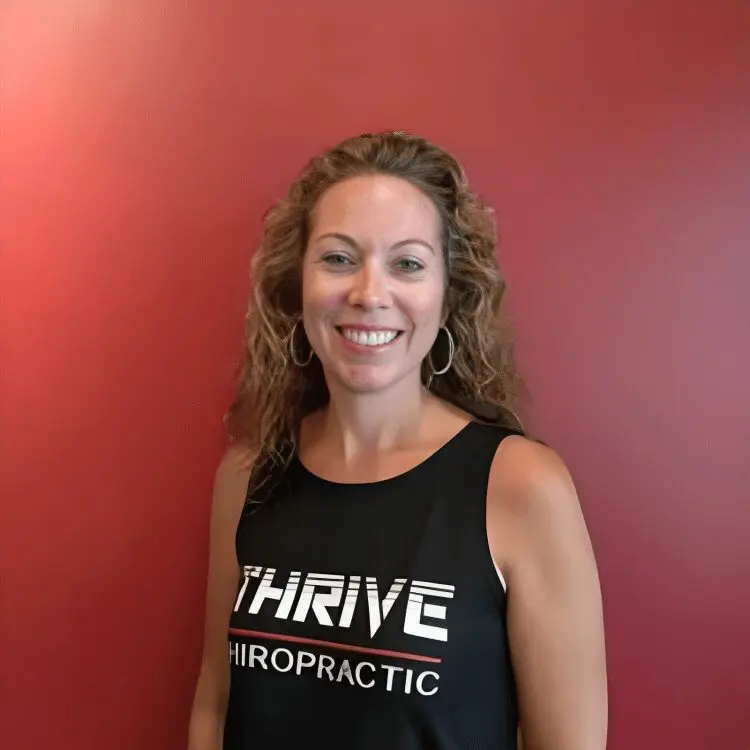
<point x="373" y="281"/>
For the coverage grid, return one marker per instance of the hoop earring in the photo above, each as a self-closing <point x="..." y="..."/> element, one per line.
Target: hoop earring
<point x="451" y="352"/>
<point x="294" y="359"/>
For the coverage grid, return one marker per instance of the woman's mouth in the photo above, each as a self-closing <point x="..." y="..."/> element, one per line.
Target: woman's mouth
<point x="361" y="337"/>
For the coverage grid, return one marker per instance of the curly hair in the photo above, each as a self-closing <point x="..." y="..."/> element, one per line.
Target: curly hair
<point x="274" y="395"/>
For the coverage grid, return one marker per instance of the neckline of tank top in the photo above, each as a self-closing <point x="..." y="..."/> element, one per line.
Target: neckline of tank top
<point x="424" y="463"/>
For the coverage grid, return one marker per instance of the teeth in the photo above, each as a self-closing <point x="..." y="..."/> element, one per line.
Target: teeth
<point x="371" y="338"/>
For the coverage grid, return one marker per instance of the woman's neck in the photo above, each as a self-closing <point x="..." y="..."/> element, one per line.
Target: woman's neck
<point x="355" y="424"/>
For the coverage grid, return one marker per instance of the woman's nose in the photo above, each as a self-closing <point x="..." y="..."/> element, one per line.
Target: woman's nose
<point x="370" y="289"/>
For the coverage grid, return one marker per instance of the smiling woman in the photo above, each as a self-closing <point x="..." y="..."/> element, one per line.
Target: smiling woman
<point x="331" y="198"/>
<point x="393" y="562"/>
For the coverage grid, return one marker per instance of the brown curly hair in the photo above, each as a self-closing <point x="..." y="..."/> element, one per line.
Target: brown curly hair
<point x="275" y="395"/>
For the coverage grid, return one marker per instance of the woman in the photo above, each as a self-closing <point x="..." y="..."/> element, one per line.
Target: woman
<point x="394" y="563"/>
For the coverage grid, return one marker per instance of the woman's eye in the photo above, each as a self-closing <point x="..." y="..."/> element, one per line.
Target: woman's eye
<point x="410" y="265"/>
<point x="336" y="259"/>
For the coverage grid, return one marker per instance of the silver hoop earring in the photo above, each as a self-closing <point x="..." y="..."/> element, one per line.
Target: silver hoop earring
<point x="293" y="356"/>
<point x="451" y="352"/>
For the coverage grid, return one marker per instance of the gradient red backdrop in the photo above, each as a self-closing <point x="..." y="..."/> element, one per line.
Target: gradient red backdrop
<point x="142" y="141"/>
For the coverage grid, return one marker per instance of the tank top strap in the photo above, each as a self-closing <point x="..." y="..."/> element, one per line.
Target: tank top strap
<point x="475" y="452"/>
<point x="456" y="542"/>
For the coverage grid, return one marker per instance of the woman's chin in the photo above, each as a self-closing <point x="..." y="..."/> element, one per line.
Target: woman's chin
<point x="366" y="378"/>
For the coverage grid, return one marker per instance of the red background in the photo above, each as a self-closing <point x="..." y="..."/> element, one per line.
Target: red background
<point x="142" y="141"/>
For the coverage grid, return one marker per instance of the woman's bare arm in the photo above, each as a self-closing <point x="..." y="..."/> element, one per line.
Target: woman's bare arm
<point x="555" y="624"/>
<point x="210" y="702"/>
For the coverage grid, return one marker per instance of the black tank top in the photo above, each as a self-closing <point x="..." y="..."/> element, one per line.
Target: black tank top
<point x="371" y="616"/>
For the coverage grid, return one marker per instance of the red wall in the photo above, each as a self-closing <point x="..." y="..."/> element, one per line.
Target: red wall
<point x="141" y="143"/>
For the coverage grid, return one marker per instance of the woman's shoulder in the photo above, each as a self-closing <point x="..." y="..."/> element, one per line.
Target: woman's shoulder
<point x="233" y="473"/>
<point x="531" y="482"/>
<point x="535" y="522"/>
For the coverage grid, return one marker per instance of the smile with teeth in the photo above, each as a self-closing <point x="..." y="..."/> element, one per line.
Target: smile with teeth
<point x="369" y="338"/>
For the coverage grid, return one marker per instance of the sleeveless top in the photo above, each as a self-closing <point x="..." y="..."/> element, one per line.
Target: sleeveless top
<point x="371" y="616"/>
